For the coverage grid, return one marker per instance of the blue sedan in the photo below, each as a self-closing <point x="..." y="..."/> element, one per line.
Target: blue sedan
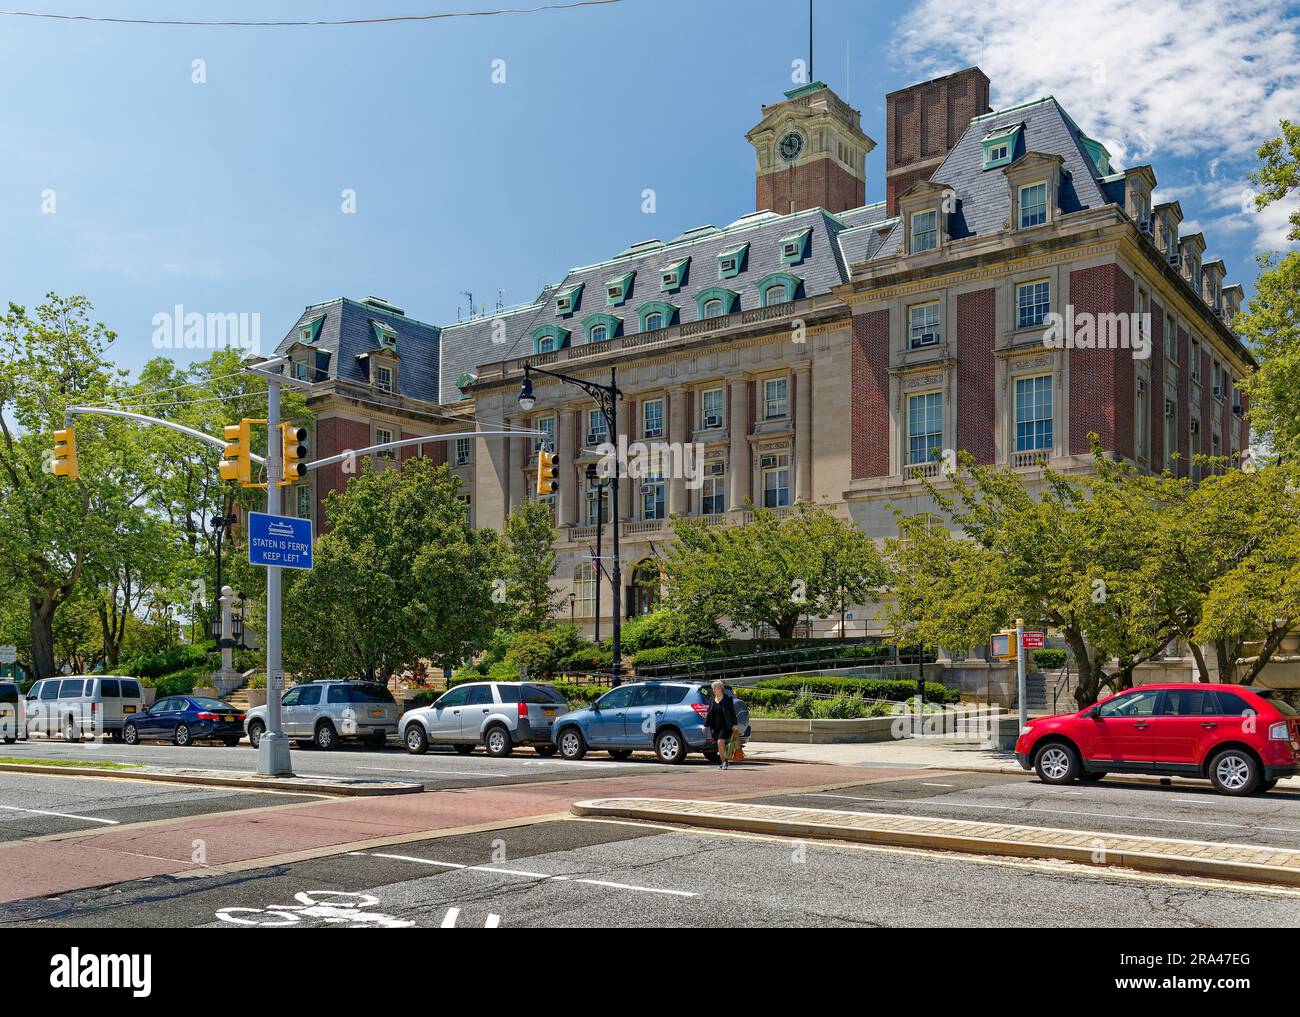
<point x="183" y="720"/>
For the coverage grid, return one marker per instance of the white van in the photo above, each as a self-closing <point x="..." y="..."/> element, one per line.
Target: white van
<point x="87" y="707"/>
<point x="12" y="712"/>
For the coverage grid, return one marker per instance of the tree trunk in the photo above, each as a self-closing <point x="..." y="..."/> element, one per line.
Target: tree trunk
<point x="1227" y="661"/>
<point x="1085" y="691"/>
<point x="42" y="618"/>
<point x="1202" y="671"/>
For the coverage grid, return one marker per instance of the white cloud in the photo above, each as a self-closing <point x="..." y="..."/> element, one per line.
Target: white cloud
<point x="1182" y="77"/>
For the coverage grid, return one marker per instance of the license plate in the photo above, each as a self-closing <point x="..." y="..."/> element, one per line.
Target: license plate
<point x="549" y="711"/>
<point x="376" y="713"/>
<point x="128" y="709"/>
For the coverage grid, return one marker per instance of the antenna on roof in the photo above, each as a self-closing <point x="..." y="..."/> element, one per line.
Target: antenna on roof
<point x="470" y="297"/>
<point x="501" y="299"/>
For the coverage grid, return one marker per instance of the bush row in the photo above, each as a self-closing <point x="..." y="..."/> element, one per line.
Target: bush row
<point x="1049" y="660"/>
<point x="153" y="665"/>
<point x="870" y="688"/>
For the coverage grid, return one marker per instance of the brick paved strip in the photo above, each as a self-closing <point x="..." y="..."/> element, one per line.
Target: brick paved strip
<point x="343" y="787"/>
<point x="1155" y="854"/>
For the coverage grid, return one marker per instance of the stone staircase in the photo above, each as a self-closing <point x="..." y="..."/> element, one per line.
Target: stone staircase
<point x="1036" y="692"/>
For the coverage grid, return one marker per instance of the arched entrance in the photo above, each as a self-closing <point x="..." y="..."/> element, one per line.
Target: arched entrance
<point x="644" y="593"/>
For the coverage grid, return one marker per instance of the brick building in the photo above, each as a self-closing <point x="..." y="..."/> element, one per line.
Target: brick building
<point x="821" y="348"/>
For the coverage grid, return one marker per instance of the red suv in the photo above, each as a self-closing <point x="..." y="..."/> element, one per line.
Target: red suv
<point x="1242" y="739"/>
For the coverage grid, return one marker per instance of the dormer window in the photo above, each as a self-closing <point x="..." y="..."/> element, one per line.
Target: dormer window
<point x="549" y="338"/>
<point x="385" y="335"/>
<point x="715" y="302"/>
<point x="616" y="289"/>
<point x="732" y="261"/>
<point x="671" y="276"/>
<point x="566" y="300"/>
<point x="384" y="379"/>
<point x="925" y="231"/>
<point x="1033" y="205"/>
<point x="599" y="327"/>
<point x="597" y="334"/>
<point x="794" y="248"/>
<point x="1000" y="146"/>
<point x="310" y="330"/>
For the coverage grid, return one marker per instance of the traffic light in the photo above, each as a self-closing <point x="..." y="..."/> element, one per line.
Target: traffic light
<point x="548" y="472"/>
<point x="235" y="462"/>
<point x="65" y="453"/>
<point x="294" y="445"/>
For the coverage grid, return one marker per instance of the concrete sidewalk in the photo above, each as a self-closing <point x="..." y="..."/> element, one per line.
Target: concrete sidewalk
<point x="908" y="753"/>
<point x="1154" y="854"/>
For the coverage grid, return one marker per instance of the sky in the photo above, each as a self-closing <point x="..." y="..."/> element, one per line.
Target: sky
<point x="258" y="170"/>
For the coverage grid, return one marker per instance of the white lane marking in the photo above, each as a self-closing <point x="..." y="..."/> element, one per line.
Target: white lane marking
<point x="517" y="872"/>
<point x="1057" y="812"/>
<point x="927" y="784"/>
<point x="62" y="815"/>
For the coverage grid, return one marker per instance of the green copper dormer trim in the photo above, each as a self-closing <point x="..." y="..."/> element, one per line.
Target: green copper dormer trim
<point x="812" y="86"/>
<point x="728" y="298"/>
<point x="794" y="248"/>
<point x="310" y="330"/>
<point x="731" y="262"/>
<point x="568" y="299"/>
<point x="547" y="338"/>
<point x="463" y="381"/>
<point x="1097" y="153"/>
<point x="1000" y="146"/>
<point x="608" y="322"/>
<point x="673" y="276"/>
<point x="385" y="335"/>
<point x="661" y="307"/>
<point x="790" y="282"/>
<point x="617" y="289"/>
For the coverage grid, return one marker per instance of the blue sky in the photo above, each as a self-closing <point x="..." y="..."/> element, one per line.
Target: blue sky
<point x="226" y="196"/>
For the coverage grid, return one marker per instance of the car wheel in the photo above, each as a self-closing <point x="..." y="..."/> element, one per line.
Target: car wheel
<point x="417" y="742"/>
<point x="130" y="735"/>
<point x="326" y="737"/>
<point x="572" y="745"/>
<point x="620" y="753"/>
<point x="670" y="746"/>
<point x="544" y="750"/>
<point x="1234" y="772"/>
<point x="377" y="741"/>
<point x="9" y="741"/>
<point x="1056" y="763"/>
<point x="463" y="748"/>
<point x="231" y="742"/>
<point x="115" y="736"/>
<point x="181" y="736"/>
<point x="497" y="741"/>
<point x="71" y="731"/>
<point x="255" y="732"/>
<point x="1092" y="776"/>
<point x="1266" y="785"/>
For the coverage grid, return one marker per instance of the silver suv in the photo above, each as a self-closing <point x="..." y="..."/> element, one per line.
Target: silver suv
<point x="501" y="715"/>
<point x="324" y="713"/>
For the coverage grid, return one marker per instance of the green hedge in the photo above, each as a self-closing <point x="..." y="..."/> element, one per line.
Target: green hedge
<point x="668" y="628"/>
<point x="661" y="655"/>
<point x="766" y="697"/>
<point x="153" y="665"/>
<point x="1049" y="660"/>
<point x="180" y="683"/>
<point x="869" y="688"/>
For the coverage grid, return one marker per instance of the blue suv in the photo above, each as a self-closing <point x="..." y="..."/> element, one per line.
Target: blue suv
<point x="667" y="716"/>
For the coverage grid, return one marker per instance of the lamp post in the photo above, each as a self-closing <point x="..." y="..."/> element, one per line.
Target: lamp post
<point x="597" y="565"/>
<point x="606" y="397"/>
<point x="221" y="524"/>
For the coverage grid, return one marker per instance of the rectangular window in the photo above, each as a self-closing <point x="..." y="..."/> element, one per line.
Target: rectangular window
<point x="925" y="231"/>
<point x="1171" y="432"/>
<point x="463" y="449"/>
<point x="1033" y="300"/>
<point x="1141" y="415"/>
<point x="584" y="592"/>
<point x="652" y="419"/>
<point x="713" y="495"/>
<point x="300" y="370"/>
<point x="1034" y="413"/>
<point x="775" y="391"/>
<point x="924" y="427"/>
<point x="1171" y="339"/>
<point x="596" y="509"/>
<point x="1195" y="365"/>
<point x="384" y="379"/>
<point x="776" y="481"/>
<point x="382" y="437"/>
<point x="302" y="501"/>
<point x="711" y="408"/>
<point x="652" y="498"/>
<point x="1033" y="205"/>
<point x="923" y="325"/>
<point x="597" y="433"/>
<point x="547" y="440"/>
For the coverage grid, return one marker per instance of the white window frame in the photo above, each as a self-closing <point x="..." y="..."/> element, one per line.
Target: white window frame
<point x="775" y="466"/>
<point x="464" y="451"/>
<point x="384" y="378"/>
<point x="705" y="412"/>
<point x="550" y="425"/>
<point x="382" y="437"/>
<point x="934" y="397"/>
<point x="597" y="427"/>
<point x="646" y="432"/>
<point x="776" y="407"/>
<point x="930" y="232"/>
<point x="298" y="492"/>
<point x="1021" y="206"/>
<point x="1037" y="441"/>
<point x="1034" y="304"/>
<point x="714" y="488"/>
<point x="921" y="331"/>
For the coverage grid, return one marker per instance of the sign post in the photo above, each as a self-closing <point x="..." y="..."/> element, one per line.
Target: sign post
<point x="1020" y="673"/>
<point x="273" y="749"/>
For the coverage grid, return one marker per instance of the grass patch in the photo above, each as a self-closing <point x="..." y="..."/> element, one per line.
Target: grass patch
<point x="96" y="764"/>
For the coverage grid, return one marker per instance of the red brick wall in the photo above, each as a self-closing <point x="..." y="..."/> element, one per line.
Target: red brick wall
<point x="437" y="451"/>
<point x="1101" y="380"/>
<point x="1184" y="402"/>
<point x="335" y="435"/>
<point x="1228" y="441"/>
<point x="976" y="370"/>
<point x="1243" y="433"/>
<point x="1157" y="407"/>
<point x="822" y="183"/>
<point x="1207" y="402"/>
<point x="925" y="121"/>
<point x="869" y="367"/>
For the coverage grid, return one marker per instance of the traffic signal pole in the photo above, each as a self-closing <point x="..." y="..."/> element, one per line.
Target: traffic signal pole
<point x="273" y="749"/>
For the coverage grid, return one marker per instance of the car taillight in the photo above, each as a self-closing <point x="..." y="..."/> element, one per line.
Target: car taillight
<point x="1278" y="732"/>
<point x="523" y="709"/>
<point x="209" y="716"/>
<point x="701" y="708"/>
<point x="94" y="709"/>
<point x="239" y="716"/>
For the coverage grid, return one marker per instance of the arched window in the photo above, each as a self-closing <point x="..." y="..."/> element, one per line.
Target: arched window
<point x="598" y="334"/>
<point x="713" y="308"/>
<point x="653" y="321"/>
<point x="774" y="294"/>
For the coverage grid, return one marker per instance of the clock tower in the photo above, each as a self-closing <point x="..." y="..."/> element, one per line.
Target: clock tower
<point x="810" y="152"/>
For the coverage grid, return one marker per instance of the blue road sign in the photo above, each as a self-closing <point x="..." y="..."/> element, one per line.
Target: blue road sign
<point x="279" y="540"/>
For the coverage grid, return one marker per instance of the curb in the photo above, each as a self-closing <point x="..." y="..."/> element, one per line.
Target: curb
<point x="1098" y="854"/>
<point x="233" y="780"/>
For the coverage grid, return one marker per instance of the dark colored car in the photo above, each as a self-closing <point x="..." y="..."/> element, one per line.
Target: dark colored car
<point x="184" y="720"/>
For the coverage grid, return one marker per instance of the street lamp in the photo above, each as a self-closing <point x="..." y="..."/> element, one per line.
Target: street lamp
<point x="222" y="525"/>
<point x="606" y="397"/>
<point x="598" y="563"/>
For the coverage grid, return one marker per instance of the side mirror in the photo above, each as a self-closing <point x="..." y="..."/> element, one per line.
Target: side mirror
<point x="1095" y="713"/>
<point x="595" y="705"/>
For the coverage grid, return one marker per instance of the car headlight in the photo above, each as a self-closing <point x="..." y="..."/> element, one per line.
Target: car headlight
<point x="1026" y="729"/>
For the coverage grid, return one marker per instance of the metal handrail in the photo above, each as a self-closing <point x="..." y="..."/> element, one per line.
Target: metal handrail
<point x="1062" y="683"/>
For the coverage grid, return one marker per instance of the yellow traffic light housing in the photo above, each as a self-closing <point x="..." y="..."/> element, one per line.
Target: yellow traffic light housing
<point x="548" y="472"/>
<point x="293" y="441"/>
<point x="236" y="463"/>
<point x="65" y="453"/>
<point x="1004" y="645"/>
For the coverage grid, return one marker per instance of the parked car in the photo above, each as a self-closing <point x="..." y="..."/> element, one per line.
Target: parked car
<point x="184" y="720"/>
<point x="666" y="716"/>
<point x="12" y="712"/>
<point x="500" y="715"/>
<point x="87" y="706"/>
<point x="324" y="713"/>
<point x="1241" y="739"/>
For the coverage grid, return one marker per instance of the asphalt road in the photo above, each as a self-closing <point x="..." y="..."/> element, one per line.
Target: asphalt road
<point x="1186" y="812"/>
<point x="605" y="874"/>
<point x="439" y="768"/>
<point x="33" y="805"/>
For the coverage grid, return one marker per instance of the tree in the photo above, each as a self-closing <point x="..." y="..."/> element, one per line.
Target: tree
<point x="400" y="578"/>
<point x="773" y="570"/>
<point x="528" y="565"/>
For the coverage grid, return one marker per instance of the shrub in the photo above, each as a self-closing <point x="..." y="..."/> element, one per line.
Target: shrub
<point x="658" y="655"/>
<point x="1049" y="660"/>
<point x="868" y="688"/>
<point x="152" y="665"/>
<point x="804" y="706"/>
<point x="588" y="658"/>
<point x="541" y="652"/>
<point x="257" y="681"/>
<point x="179" y="683"/>
<point x="582" y="695"/>
<point x="668" y="628"/>
<point x="770" y="698"/>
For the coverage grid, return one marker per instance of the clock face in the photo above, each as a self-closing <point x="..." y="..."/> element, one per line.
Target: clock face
<point x="791" y="146"/>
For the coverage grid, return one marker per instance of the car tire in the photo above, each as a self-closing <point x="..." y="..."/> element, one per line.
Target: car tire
<point x="415" y="739"/>
<point x="181" y="736"/>
<point x="620" y="753"/>
<point x="1266" y="785"/>
<point x="573" y="746"/>
<point x="115" y="736"/>
<point x="9" y="741"/>
<point x="1056" y="763"/>
<point x="544" y="750"/>
<point x="377" y="741"/>
<point x="255" y="732"/>
<point x="464" y="748"/>
<point x="670" y="746"/>
<point x="230" y="743"/>
<point x="1234" y="772"/>
<point x="1092" y="776"/>
<point x="71" y="730"/>
<point x="131" y="734"/>
<point x="326" y="738"/>
<point x="496" y="740"/>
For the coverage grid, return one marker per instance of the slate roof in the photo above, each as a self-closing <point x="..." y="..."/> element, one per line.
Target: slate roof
<point x="467" y="345"/>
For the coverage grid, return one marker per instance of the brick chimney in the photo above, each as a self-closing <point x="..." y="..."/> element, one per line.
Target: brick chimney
<point x="923" y="122"/>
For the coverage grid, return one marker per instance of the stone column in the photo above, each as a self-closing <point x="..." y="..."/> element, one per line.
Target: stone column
<point x="566" y="448"/>
<point x="679" y="501"/>
<point x="738" y="466"/>
<point x="515" y="455"/>
<point x="803" y="433"/>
